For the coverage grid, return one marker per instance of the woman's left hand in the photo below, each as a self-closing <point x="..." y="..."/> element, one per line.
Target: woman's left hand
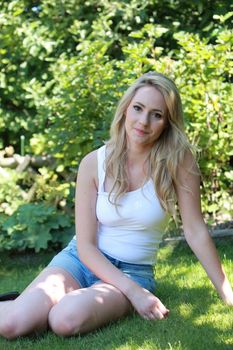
<point x="147" y="304"/>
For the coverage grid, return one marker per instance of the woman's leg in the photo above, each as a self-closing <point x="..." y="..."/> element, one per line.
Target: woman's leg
<point x="3" y="305"/>
<point x="29" y="312"/>
<point x="87" y="309"/>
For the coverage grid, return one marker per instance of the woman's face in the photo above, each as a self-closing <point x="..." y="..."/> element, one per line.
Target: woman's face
<point x="145" y="117"/>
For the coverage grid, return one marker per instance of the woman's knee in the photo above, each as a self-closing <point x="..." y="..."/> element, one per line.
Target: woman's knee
<point x="11" y="325"/>
<point x="22" y="319"/>
<point x="64" y="322"/>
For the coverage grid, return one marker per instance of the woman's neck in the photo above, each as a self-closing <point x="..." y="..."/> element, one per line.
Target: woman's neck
<point x="137" y="155"/>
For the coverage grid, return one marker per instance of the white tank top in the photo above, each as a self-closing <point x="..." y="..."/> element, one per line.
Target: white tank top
<point x="133" y="232"/>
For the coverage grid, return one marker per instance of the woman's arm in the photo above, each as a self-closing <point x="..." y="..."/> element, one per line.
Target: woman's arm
<point x="86" y="227"/>
<point x="195" y="230"/>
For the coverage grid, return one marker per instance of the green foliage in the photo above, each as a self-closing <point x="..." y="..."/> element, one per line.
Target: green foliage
<point x="82" y="103"/>
<point x="36" y="34"/>
<point x="208" y="100"/>
<point x="65" y="64"/>
<point x="35" y="225"/>
<point x="11" y="194"/>
<point x="17" y="188"/>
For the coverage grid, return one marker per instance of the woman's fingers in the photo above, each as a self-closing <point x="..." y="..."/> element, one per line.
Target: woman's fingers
<point x="166" y="314"/>
<point x="148" y="305"/>
<point x="157" y="311"/>
<point x="155" y="315"/>
<point x="162" y="308"/>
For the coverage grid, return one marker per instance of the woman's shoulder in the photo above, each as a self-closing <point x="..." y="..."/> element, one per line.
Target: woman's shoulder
<point x="89" y="160"/>
<point x="188" y="172"/>
<point x="188" y="164"/>
<point x="89" y="163"/>
<point x="88" y="171"/>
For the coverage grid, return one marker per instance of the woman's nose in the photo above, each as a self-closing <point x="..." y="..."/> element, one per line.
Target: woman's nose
<point x="144" y="119"/>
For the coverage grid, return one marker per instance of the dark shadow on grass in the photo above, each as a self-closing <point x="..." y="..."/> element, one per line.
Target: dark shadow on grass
<point x="13" y="267"/>
<point x="11" y="260"/>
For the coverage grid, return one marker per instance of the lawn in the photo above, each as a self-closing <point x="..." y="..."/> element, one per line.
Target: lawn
<point x="198" y="319"/>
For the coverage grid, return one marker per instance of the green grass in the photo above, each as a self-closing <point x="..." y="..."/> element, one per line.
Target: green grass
<point x="198" y="319"/>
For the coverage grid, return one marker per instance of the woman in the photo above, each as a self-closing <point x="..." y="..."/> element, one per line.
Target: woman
<point x="125" y="191"/>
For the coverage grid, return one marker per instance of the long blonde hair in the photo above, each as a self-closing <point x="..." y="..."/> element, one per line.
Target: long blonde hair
<point x="165" y="155"/>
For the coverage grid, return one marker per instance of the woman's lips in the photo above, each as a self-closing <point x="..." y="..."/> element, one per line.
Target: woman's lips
<point x="140" y="132"/>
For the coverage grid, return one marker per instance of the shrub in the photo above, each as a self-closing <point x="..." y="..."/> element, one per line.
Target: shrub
<point x="35" y="226"/>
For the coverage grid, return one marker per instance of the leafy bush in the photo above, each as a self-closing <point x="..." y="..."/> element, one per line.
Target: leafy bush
<point x="36" y="225"/>
<point x="202" y="71"/>
<point x="45" y="184"/>
<point x="64" y="66"/>
<point x="11" y="194"/>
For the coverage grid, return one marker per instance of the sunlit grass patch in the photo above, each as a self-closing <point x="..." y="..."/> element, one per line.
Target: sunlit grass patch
<point x="198" y="319"/>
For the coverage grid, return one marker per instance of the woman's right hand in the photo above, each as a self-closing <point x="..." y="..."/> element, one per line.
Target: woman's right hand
<point x="147" y="305"/>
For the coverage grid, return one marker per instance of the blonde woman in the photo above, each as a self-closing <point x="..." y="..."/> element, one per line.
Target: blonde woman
<point x="126" y="191"/>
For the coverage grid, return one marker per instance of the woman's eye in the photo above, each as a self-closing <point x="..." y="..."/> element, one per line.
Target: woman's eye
<point x="157" y="115"/>
<point x="137" y="108"/>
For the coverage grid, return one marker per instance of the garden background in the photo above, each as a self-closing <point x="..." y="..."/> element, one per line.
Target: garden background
<point x="63" y="67"/>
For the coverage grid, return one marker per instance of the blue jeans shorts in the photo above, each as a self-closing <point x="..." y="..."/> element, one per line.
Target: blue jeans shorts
<point x="68" y="260"/>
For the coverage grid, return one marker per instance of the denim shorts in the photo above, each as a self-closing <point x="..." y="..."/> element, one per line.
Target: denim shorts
<point x="68" y="260"/>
